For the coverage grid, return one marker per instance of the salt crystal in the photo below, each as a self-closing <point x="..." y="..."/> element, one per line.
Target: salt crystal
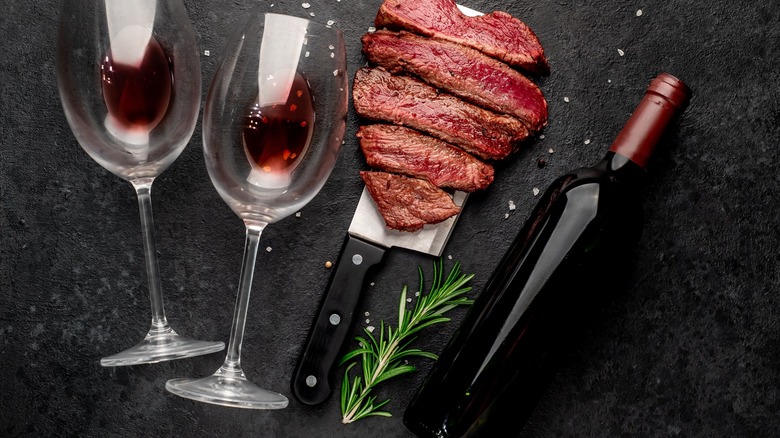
<point x="408" y="300"/>
<point x="372" y="29"/>
<point x="417" y="294"/>
<point x="541" y="137"/>
<point x="307" y="54"/>
<point x="621" y="52"/>
<point x="305" y="5"/>
<point x="506" y="215"/>
<point x="268" y="249"/>
<point x="311" y="13"/>
<point x="587" y="141"/>
<point x="638" y="12"/>
<point x="551" y="150"/>
<point x="366" y="313"/>
<point x="609" y="81"/>
<point x="331" y="47"/>
<point x="336" y="72"/>
<point x="330" y="23"/>
<point x="207" y="52"/>
<point x="449" y="256"/>
<point x="368" y="321"/>
<point x="372" y="283"/>
<point x="332" y="55"/>
<point x="536" y="191"/>
<point x="511" y="205"/>
<point x="298" y="214"/>
<point x="565" y="99"/>
<point x="370" y="328"/>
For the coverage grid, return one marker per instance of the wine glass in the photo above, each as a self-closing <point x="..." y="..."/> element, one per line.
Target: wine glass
<point x="129" y="80"/>
<point x="273" y="125"/>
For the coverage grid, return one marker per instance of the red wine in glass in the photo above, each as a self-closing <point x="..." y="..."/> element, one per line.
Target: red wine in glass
<point x="275" y="136"/>
<point x="137" y="92"/>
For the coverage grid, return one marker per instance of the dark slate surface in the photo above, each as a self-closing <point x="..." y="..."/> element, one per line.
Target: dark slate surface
<point x="691" y="348"/>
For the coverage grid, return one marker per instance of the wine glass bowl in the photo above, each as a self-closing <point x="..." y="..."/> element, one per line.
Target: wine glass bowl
<point x="270" y="101"/>
<point x="129" y="79"/>
<point x="119" y="62"/>
<point x="273" y="125"/>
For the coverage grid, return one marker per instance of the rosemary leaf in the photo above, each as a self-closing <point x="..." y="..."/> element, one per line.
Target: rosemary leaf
<point x="382" y="358"/>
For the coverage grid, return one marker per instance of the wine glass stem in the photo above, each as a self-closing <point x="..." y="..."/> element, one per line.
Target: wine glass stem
<point x="232" y="363"/>
<point x="143" y="189"/>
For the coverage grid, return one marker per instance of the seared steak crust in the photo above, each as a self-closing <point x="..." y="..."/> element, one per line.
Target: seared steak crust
<point x="459" y="70"/>
<point x="497" y="34"/>
<point x="403" y="100"/>
<point x="407" y="204"/>
<point x="406" y="151"/>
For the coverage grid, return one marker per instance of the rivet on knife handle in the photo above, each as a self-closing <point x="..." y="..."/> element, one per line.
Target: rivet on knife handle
<point x="312" y="381"/>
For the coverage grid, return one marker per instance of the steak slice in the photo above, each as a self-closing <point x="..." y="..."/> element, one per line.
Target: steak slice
<point x="409" y="152"/>
<point x="459" y="70"/>
<point x="403" y="100"/>
<point x="407" y="204"/>
<point x="497" y="34"/>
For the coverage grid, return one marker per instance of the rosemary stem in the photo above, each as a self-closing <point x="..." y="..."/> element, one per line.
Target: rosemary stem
<point x="445" y="294"/>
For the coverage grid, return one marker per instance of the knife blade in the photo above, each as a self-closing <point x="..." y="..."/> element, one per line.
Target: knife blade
<point x="363" y="249"/>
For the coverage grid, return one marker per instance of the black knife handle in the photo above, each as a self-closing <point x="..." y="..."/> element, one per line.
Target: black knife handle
<point x="312" y="381"/>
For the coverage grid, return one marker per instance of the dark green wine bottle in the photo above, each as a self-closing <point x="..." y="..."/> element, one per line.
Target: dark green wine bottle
<point x="490" y="375"/>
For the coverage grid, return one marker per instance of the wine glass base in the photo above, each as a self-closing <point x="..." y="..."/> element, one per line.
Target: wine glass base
<point x="162" y="346"/>
<point x="234" y="392"/>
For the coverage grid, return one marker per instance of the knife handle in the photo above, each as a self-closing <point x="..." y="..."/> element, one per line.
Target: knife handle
<point x="312" y="381"/>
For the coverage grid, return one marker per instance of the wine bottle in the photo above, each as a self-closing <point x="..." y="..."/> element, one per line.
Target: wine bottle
<point x="500" y="359"/>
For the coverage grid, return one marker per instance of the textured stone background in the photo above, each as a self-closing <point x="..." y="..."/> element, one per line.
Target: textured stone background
<point x="691" y="348"/>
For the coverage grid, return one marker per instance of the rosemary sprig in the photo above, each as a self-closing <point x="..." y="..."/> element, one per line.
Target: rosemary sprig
<point x="384" y="358"/>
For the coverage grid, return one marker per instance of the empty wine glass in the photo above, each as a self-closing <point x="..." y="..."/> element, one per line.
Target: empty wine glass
<point x="273" y="125"/>
<point x="129" y="80"/>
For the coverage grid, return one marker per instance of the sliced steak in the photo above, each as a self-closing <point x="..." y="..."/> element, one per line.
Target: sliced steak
<point x="409" y="152"/>
<point x="497" y="34"/>
<point x="460" y="70"/>
<point x="403" y="100"/>
<point x="407" y="204"/>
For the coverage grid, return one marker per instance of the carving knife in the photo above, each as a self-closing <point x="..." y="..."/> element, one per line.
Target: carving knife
<point x="364" y="247"/>
<point x="367" y="240"/>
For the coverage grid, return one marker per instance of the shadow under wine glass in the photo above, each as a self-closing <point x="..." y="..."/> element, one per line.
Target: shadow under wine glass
<point x="129" y="80"/>
<point x="273" y="126"/>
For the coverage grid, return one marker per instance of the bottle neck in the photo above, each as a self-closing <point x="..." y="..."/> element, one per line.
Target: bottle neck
<point x="666" y="97"/>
